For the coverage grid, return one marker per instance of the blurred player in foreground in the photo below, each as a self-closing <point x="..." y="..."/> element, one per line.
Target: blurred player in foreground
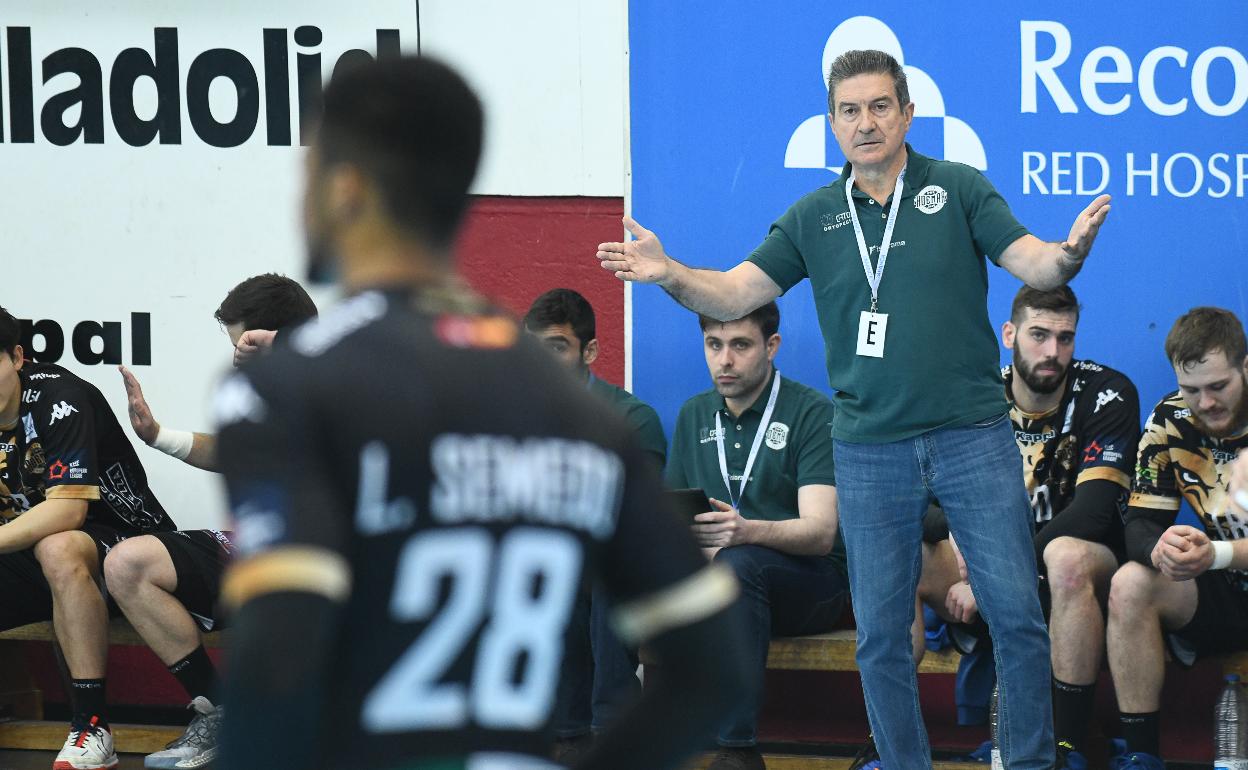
<point x="419" y="494"/>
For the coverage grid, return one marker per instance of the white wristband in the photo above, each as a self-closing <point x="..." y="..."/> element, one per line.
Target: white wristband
<point x="1223" y="551"/>
<point x="176" y="443"/>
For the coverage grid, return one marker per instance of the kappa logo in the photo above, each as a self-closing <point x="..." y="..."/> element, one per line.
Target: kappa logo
<point x="1105" y="397"/>
<point x="777" y="436"/>
<point x="808" y="144"/>
<point x="61" y="411"/>
<point x="44" y="376"/>
<point x="931" y="199"/>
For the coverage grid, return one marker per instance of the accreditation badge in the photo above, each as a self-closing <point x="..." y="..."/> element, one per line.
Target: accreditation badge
<point x="871" y="330"/>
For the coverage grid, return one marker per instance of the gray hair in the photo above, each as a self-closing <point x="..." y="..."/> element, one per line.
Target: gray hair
<point x="853" y="63"/>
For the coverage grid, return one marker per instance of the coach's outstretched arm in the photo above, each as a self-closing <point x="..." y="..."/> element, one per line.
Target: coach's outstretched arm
<point x="1046" y="265"/>
<point x="722" y="295"/>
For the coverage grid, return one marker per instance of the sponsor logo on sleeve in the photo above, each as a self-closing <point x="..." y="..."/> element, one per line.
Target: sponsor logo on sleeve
<point x="1105" y="397"/>
<point x="61" y="411"/>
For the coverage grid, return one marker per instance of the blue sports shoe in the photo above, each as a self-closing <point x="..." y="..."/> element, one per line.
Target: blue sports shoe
<point x="983" y="754"/>
<point x="1069" y="759"/>
<point x="1136" y="760"/>
<point x="868" y="758"/>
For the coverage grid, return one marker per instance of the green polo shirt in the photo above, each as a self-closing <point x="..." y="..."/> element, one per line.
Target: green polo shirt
<point x="639" y="414"/>
<point x="941" y="364"/>
<point x="796" y="451"/>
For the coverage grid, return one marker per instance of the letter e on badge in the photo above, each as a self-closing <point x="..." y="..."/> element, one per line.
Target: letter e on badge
<point x="871" y="329"/>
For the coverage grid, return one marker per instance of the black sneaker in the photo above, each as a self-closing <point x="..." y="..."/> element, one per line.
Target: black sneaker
<point x="737" y="758"/>
<point x="568" y="751"/>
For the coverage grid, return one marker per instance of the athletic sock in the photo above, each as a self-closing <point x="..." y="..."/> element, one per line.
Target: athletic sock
<point x="88" y="700"/>
<point x="1073" y="705"/>
<point x="196" y="673"/>
<point x="1142" y="732"/>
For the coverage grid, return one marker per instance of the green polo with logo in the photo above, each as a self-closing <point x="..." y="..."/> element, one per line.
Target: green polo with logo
<point x="796" y="451"/>
<point x="639" y="414"/>
<point x="941" y="363"/>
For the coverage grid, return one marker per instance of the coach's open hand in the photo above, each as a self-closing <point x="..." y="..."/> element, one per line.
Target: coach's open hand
<point x="641" y="259"/>
<point x="1086" y="226"/>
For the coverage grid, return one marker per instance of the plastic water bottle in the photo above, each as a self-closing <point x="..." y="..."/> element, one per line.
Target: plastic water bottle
<point x="1230" y="728"/>
<point x="997" y="764"/>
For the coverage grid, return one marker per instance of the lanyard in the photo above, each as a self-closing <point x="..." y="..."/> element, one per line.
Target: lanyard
<point x="873" y="279"/>
<point x="758" y="442"/>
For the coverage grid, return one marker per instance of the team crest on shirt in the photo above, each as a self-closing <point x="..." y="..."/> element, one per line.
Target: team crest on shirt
<point x="931" y="199"/>
<point x="777" y="436"/>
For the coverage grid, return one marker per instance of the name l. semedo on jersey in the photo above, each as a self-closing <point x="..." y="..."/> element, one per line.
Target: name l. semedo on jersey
<point x="1121" y="71"/>
<point x="77" y="113"/>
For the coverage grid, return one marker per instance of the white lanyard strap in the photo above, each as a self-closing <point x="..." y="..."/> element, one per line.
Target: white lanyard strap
<point x="873" y="279"/>
<point x="758" y="442"/>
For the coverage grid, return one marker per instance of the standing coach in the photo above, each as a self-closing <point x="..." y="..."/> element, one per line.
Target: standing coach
<point x="920" y="410"/>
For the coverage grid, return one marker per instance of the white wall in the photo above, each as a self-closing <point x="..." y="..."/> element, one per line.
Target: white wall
<point x="552" y="75"/>
<point x="95" y="232"/>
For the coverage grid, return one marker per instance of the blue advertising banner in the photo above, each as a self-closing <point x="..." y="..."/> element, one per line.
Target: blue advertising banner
<point x="1056" y="103"/>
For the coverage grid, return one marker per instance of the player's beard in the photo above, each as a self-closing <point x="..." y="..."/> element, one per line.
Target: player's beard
<point x="1042" y="384"/>
<point x="1239" y="416"/>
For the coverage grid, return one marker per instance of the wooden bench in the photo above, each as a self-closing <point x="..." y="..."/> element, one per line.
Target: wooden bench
<point x="836" y="651"/>
<point x="23" y="726"/>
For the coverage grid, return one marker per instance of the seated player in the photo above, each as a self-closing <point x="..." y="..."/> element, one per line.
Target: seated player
<point x="420" y="494"/>
<point x="760" y="445"/>
<point x="1076" y="423"/>
<point x="168" y="584"/>
<point x="599" y="673"/>
<point x="1185" y="587"/>
<point x="71" y="488"/>
<point x="252" y="314"/>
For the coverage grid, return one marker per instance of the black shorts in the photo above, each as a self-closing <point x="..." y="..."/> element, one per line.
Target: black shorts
<point x="27" y="596"/>
<point x="1220" y="625"/>
<point x="199" y="557"/>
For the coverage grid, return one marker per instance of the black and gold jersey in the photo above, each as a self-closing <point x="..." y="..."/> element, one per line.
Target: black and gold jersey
<point x="1091" y="434"/>
<point x="432" y="469"/>
<point x="67" y="443"/>
<point x="1177" y="461"/>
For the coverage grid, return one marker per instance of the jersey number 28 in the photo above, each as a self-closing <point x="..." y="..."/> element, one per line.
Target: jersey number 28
<point x="524" y="602"/>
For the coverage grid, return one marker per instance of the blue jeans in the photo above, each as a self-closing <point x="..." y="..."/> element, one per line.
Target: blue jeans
<point x="976" y="472"/>
<point x="784" y="595"/>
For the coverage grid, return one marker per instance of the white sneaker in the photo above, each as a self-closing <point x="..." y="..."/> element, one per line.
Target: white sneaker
<point x="198" y="745"/>
<point x="88" y="747"/>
